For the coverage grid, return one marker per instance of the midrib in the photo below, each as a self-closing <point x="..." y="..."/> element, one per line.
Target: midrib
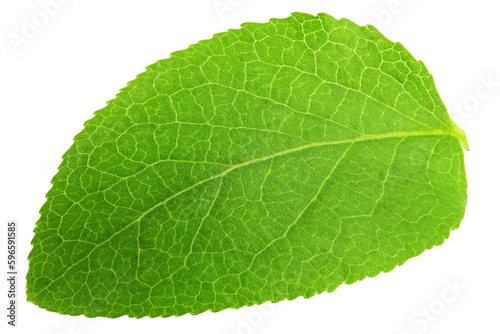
<point x="366" y="137"/>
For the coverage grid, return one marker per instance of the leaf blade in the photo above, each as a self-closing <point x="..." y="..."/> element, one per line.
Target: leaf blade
<point x="196" y="189"/>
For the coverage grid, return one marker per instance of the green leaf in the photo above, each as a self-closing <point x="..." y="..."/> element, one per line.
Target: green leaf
<point x="273" y="161"/>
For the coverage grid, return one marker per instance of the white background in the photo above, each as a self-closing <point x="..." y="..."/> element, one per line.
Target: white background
<point x="90" y="49"/>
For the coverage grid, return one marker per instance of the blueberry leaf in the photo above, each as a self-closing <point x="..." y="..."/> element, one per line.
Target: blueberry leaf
<point x="273" y="161"/>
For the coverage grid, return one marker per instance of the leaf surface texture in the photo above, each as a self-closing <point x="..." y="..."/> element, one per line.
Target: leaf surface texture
<point x="273" y="161"/>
